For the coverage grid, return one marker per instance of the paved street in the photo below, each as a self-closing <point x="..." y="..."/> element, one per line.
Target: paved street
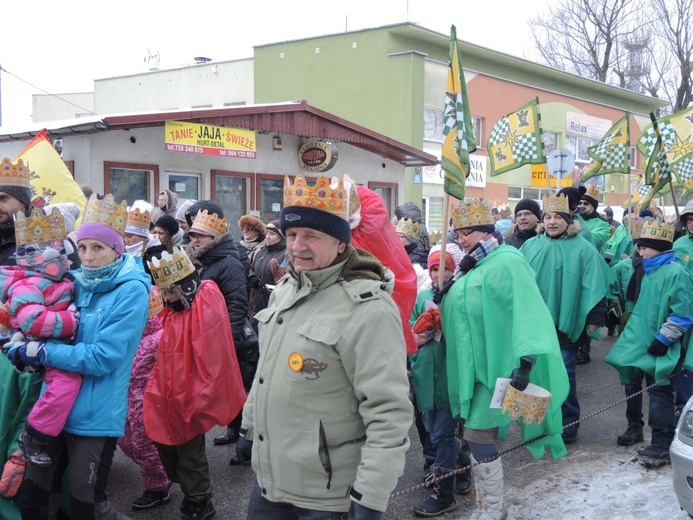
<point x="598" y="387"/>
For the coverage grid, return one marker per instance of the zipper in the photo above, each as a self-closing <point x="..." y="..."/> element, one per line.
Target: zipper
<point x="325" y="455"/>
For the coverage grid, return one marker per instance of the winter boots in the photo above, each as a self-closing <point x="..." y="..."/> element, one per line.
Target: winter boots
<point x="442" y="499"/>
<point x="150" y="499"/>
<point x="488" y="491"/>
<point x="34" y="451"/>
<point x="632" y="435"/>
<point x="229" y="436"/>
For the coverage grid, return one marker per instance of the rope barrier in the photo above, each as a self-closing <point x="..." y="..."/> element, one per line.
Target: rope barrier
<point x="431" y="481"/>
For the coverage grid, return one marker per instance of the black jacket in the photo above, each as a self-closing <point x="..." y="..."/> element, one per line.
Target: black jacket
<point x="220" y="262"/>
<point x="517" y="238"/>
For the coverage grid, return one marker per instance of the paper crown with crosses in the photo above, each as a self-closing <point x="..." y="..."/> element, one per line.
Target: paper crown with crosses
<point x="652" y="229"/>
<point x="530" y="404"/>
<point x="209" y="224"/>
<point x="156" y="303"/>
<point x="14" y="174"/>
<point x="556" y="205"/>
<point x="637" y="225"/>
<point x="409" y="228"/>
<point x="38" y="227"/>
<point x="474" y="212"/>
<point x="171" y="268"/>
<point x="106" y="212"/>
<point x="591" y="195"/>
<point x="138" y="222"/>
<point x="332" y="199"/>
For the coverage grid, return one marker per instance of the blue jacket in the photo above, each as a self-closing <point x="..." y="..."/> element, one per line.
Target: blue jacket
<point x="113" y="316"/>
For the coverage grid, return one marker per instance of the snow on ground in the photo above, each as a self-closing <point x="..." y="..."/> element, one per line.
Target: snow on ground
<point x="579" y="486"/>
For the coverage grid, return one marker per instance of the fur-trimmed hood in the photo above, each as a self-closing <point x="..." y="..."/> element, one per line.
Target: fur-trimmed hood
<point x="573" y="229"/>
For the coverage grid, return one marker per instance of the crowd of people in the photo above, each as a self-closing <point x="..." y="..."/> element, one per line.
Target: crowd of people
<point x="317" y="340"/>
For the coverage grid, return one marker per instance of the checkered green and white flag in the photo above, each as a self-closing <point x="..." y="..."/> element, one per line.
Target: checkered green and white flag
<point x="612" y="153"/>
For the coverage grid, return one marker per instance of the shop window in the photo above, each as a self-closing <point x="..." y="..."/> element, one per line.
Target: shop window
<point x="550" y="141"/>
<point x="131" y="182"/>
<point x="579" y="146"/>
<point x="388" y="191"/>
<point x="233" y="191"/>
<point x="433" y="126"/>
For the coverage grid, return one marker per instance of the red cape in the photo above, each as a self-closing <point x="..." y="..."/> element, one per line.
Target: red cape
<point x="196" y="383"/>
<point x="376" y="234"/>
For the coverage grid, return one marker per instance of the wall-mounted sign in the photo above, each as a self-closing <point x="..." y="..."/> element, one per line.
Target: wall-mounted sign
<point x="586" y="126"/>
<point x="539" y="178"/>
<point x="197" y="138"/>
<point x="317" y="156"/>
<point x="475" y="179"/>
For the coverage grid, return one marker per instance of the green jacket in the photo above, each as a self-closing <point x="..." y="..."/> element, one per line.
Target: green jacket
<point x="493" y="316"/>
<point x="571" y="276"/>
<point x="619" y="245"/>
<point x="428" y="365"/>
<point x="601" y="232"/>
<point x="683" y="247"/>
<point x="666" y="290"/>
<point x="619" y="284"/>
<point x="329" y="407"/>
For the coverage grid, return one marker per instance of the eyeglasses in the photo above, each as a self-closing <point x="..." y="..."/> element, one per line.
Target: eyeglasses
<point x="464" y="233"/>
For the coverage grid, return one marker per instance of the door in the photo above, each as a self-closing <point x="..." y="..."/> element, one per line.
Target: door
<point x="185" y="185"/>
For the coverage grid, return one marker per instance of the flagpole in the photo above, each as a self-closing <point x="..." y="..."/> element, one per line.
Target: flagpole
<point x="630" y="206"/>
<point x="444" y="240"/>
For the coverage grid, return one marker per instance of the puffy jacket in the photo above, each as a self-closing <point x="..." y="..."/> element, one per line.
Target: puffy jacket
<point x="113" y="316"/>
<point x="329" y="403"/>
<point x="219" y="261"/>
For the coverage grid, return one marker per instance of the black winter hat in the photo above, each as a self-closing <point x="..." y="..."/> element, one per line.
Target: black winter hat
<point x="210" y="205"/>
<point x="23" y="195"/>
<point x="659" y="245"/>
<point x="329" y="223"/>
<point x="529" y="205"/>
<point x="574" y="195"/>
<point x="168" y="224"/>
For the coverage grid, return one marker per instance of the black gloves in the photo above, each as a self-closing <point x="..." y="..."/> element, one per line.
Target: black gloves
<point x="244" y="451"/>
<point x="520" y="376"/>
<point x="657" y="348"/>
<point x="613" y="314"/>
<point x="254" y="281"/>
<point x="437" y="294"/>
<point x="359" y="512"/>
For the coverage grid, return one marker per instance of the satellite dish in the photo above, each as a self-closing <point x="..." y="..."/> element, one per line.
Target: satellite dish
<point x="560" y="163"/>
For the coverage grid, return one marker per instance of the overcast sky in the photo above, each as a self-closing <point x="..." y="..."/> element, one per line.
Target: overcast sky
<point x="61" y="47"/>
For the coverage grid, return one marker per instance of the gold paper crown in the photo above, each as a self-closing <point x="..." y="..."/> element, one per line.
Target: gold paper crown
<point x="475" y="212"/>
<point x="410" y="228"/>
<point x="319" y="196"/>
<point x="592" y="191"/>
<point x="530" y="404"/>
<point x="556" y="204"/>
<point x="156" y="303"/>
<point x="654" y="230"/>
<point x="38" y="227"/>
<point x="209" y="224"/>
<point x="14" y="174"/>
<point x="106" y="212"/>
<point x="138" y="222"/>
<point x="171" y="268"/>
<point x="637" y="225"/>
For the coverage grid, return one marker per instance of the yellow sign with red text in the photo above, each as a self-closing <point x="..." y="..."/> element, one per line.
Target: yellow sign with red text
<point x="201" y="139"/>
<point x="539" y="174"/>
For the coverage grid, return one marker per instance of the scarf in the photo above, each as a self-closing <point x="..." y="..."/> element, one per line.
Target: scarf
<point x="482" y="249"/>
<point x="633" y="289"/>
<point x="93" y="275"/>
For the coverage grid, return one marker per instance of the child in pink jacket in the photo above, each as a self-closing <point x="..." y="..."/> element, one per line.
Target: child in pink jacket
<point x="135" y="444"/>
<point x="37" y="294"/>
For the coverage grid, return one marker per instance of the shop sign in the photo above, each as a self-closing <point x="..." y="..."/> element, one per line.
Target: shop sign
<point x="475" y="179"/>
<point x="586" y="126"/>
<point x="201" y="139"/>
<point x="317" y="156"/>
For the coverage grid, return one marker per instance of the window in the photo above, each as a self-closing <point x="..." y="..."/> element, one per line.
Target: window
<point x="550" y="141"/>
<point x="432" y="209"/>
<point x="271" y="197"/>
<point x="525" y="192"/>
<point x="579" y="146"/>
<point x="233" y="192"/>
<point x="388" y="191"/>
<point x="433" y="126"/>
<point x="633" y="158"/>
<point x="131" y="182"/>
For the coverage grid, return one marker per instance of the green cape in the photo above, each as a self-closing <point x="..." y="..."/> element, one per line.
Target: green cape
<point x="491" y="317"/>
<point x="668" y="289"/>
<point x="428" y="365"/>
<point x="571" y="276"/>
<point x="683" y="247"/>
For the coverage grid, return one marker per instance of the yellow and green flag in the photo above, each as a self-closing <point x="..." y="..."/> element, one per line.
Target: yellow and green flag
<point x="612" y="153"/>
<point x="51" y="180"/>
<point x="515" y="140"/>
<point x="458" y="132"/>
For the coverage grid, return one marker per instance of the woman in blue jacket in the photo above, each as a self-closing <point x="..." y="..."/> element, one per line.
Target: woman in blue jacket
<point x="111" y="293"/>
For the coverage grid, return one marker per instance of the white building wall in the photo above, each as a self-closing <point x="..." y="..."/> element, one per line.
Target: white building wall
<point x="214" y="84"/>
